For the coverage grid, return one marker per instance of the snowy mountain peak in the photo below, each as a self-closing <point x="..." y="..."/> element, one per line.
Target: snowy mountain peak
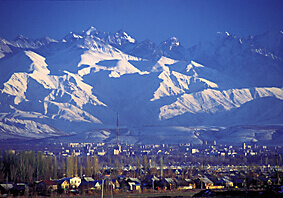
<point x="122" y="35"/>
<point x="223" y="33"/>
<point x="147" y="50"/>
<point x="147" y="43"/>
<point x="21" y="37"/>
<point x="3" y="40"/>
<point x="46" y="40"/>
<point x="72" y="37"/>
<point x="171" y="42"/>
<point x="4" y="47"/>
<point x="91" y="31"/>
<point x="271" y="42"/>
<point x="225" y="36"/>
<point x="175" y="41"/>
<point x="173" y="49"/>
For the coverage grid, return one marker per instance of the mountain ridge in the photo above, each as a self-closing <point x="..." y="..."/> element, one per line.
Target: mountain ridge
<point x="79" y="84"/>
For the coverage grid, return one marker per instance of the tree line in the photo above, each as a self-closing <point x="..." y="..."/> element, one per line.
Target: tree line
<point x="30" y="166"/>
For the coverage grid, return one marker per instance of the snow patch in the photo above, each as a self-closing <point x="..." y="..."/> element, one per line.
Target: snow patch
<point x="212" y="101"/>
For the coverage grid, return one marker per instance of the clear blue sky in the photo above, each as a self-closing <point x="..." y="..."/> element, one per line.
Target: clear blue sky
<point x="157" y="20"/>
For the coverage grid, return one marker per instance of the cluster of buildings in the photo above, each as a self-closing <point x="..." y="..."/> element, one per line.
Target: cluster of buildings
<point x="111" y="181"/>
<point x="102" y="149"/>
<point x="178" y="176"/>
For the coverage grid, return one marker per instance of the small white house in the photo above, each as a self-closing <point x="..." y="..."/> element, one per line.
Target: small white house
<point x="74" y="182"/>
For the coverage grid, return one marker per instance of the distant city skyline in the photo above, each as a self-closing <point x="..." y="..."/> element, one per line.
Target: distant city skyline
<point x="156" y="20"/>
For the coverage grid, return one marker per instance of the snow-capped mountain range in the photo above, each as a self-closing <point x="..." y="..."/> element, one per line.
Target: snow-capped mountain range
<point x="78" y="84"/>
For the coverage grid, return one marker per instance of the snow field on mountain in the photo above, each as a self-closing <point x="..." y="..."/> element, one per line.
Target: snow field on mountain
<point x="17" y="129"/>
<point x="212" y="101"/>
<point x="80" y="84"/>
<point x="38" y="63"/>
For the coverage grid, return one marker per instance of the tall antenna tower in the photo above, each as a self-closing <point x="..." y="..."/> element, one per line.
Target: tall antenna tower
<point x="117" y="148"/>
<point x="117" y="129"/>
